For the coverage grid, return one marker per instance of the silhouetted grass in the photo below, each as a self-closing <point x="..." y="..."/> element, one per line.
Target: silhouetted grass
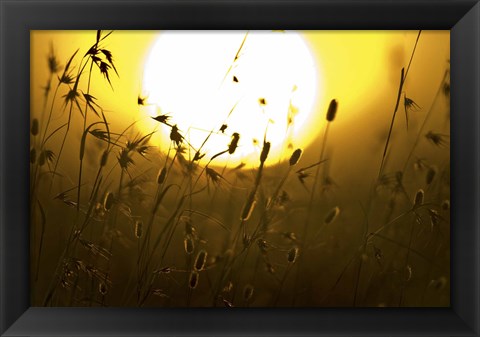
<point x="142" y="226"/>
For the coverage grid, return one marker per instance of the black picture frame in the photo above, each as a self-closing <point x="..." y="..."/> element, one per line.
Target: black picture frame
<point x="18" y="17"/>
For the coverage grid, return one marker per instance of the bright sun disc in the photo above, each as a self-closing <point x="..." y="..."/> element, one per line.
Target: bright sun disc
<point x="256" y="84"/>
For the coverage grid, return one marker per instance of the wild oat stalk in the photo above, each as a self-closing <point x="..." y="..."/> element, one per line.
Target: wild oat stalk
<point x="403" y="78"/>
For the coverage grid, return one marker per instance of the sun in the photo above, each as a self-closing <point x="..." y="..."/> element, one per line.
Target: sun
<point x="257" y="85"/>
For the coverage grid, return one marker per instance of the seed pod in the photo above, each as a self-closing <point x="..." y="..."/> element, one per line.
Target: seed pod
<point x="419" y="196"/>
<point x="161" y="176"/>
<point x="34" y="128"/>
<point x="248" y="207"/>
<point x="247" y="292"/>
<point x="102" y="288"/>
<point x="290" y="235"/>
<point x="234" y="143"/>
<point x="189" y="228"/>
<point x="332" y="215"/>
<point x="227" y="303"/>
<point x="439" y="283"/>
<point x="193" y="281"/>
<point x="108" y="201"/>
<point x="265" y="151"/>
<point x="446" y="205"/>
<point x="104" y="158"/>
<point x="42" y="159"/>
<point x="270" y="268"/>
<point x="188" y="245"/>
<point x="434" y="218"/>
<point x="33" y="155"/>
<point x="138" y="229"/>
<point x="200" y="260"/>
<point x="295" y="157"/>
<point x="332" y="110"/>
<point x="228" y="288"/>
<point x="430" y="175"/>
<point x="263" y="245"/>
<point x="292" y="255"/>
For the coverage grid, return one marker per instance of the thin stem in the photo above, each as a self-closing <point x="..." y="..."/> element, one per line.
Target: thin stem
<point x="84" y="127"/>
<point x="309" y="209"/>
<point x="403" y="78"/>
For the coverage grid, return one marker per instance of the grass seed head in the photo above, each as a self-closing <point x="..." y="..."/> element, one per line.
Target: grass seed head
<point x="290" y="236"/>
<point x="41" y="159"/>
<point x="263" y="245"/>
<point x="223" y="128"/>
<point x="228" y="287"/>
<point x="104" y="158"/>
<point x="438" y="284"/>
<point x="46" y="156"/>
<point x="198" y="156"/>
<point x="332" y="215"/>
<point x="234" y="143"/>
<point x="302" y="175"/>
<point x="34" y="128"/>
<point x="100" y="134"/>
<point x="282" y="199"/>
<point x="227" y="303"/>
<point x="248" y="292"/>
<point x="163" y="119"/>
<point x="420" y="164"/>
<point x="160" y="293"/>
<point x="434" y="217"/>
<point x="161" y="176"/>
<point x="33" y="155"/>
<point x="446" y="89"/>
<point x="200" y="260"/>
<point x="175" y="136"/>
<point x="265" y="151"/>
<point x="437" y="139"/>
<point x="292" y="255"/>
<point x="189" y="245"/>
<point x="446" y="205"/>
<point x="189" y="228"/>
<point x="138" y="229"/>
<point x="193" y="280"/>
<point x="213" y="175"/>
<point x="430" y="175"/>
<point x="108" y="201"/>
<point x="332" y="110"/>
<point x="53" y="65"/>
<point x="419" y="196"/>
<point x="141" y="100"/>
<point x="102" y="288"/>
<point x="295" y="157"/>
<point x="410" y="105"/>
<point x="270" y="268"/>
<point x="124" y="158"/>
<point x="246" y="240"/>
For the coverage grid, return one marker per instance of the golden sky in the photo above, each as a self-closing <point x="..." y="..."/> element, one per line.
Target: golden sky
<point x="360" y="69"/>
